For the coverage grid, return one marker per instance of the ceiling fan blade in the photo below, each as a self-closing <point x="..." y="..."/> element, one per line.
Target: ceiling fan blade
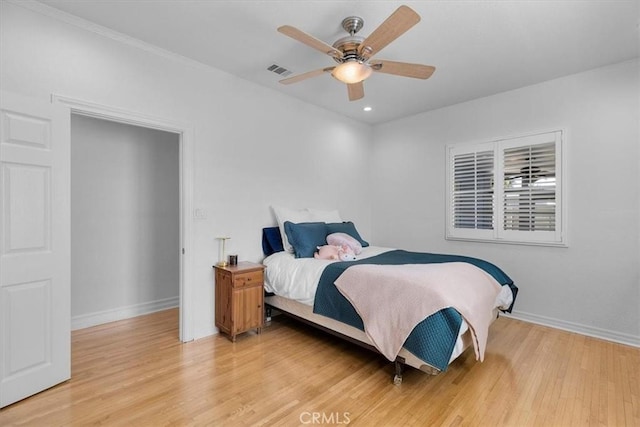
<point x="395" y="25"/>
<point x="356" y="91"/>
<point x="310" y="41"/>
<point x="405" y="69"/>
<point x="307" y="75"/>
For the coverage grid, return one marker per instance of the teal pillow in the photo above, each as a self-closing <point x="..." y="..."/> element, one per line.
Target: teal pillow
<point x="346" y="227"/>
<point x="305" y="237"/>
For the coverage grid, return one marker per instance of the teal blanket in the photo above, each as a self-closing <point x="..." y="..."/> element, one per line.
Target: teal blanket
<point x="434" y="338"/>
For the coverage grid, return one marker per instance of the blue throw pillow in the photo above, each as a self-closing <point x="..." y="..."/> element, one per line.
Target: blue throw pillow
<point x="305" y="237"/>
<point x="271" y="241"/>
<point x="348" y="228"/>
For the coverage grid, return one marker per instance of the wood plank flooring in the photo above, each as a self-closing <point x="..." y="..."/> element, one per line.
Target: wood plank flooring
<point x="135" y="372"/>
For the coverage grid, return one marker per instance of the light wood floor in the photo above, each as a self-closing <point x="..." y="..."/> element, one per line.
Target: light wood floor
<point x="136" y="373"/>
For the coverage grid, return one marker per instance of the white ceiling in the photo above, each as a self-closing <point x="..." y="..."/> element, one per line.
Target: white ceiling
<point x="479" y="48"/>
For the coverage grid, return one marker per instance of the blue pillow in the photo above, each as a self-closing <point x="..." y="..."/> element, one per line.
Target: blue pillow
<point x="348" y="228"/>
<point x="305" y="237"/>
<point x="271" y="241"/>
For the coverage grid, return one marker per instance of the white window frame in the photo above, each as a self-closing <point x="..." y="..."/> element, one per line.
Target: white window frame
<point x="498" y="234"/>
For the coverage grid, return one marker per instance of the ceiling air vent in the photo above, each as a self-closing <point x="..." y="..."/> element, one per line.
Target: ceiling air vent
<point x="279" y="70"/>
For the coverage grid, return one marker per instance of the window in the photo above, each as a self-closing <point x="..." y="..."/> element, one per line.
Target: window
<point x="506" y="191"/>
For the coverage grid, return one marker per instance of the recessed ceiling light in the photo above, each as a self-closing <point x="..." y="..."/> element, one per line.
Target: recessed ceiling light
<point x="367" y="108"/>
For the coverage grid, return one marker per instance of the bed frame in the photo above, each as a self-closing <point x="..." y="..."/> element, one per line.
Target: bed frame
<point x="399" y="362"/>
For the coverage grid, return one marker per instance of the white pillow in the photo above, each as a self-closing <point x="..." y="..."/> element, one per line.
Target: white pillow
<point x="294" y="215"/>
<point x="318" y="215"/>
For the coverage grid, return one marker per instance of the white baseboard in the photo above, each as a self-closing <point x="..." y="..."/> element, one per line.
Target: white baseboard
<point x="590" y="331"/>
<point x="106" y="316"/>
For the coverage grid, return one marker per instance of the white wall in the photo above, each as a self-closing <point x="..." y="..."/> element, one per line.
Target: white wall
<point x="125" y="220"/>
<point x="253" y="146"/>
<point x="593" y="285"/>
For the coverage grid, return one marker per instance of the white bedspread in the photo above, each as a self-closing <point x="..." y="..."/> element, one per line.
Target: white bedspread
<point x="297" y="278"/>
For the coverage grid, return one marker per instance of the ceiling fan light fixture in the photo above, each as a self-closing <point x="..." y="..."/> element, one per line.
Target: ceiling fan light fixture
<point x="352" y="72"/>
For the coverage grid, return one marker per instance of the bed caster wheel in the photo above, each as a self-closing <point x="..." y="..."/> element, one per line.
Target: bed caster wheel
<point x="397" y="379"/>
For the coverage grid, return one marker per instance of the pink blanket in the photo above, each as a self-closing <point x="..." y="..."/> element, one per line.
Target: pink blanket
<point x="393" y="299"/>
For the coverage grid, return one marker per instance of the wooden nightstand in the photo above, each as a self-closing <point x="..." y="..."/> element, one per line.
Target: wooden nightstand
<point x="239" y="298"/>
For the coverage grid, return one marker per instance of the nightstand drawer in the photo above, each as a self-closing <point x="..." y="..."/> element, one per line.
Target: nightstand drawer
<point x="252" y="278"/>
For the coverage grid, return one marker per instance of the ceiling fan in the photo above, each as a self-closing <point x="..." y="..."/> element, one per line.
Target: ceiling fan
<point x="354" y="53"/>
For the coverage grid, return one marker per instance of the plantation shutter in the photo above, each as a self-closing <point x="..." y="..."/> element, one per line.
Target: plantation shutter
<point x="473" y="190"/>
<point x="529" y="197"/>
<point x="531" y="189"/>
<point x="508" y="190"/>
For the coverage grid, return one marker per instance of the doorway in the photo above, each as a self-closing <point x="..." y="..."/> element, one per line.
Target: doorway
<point x="125" y="223"/>
<point x="183" y="133"/>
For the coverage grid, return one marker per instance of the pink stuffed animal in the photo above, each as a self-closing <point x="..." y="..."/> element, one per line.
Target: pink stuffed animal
<point x="327" y="252"/>
<point x="345" y="253"/>
<point x="334" y="252"/>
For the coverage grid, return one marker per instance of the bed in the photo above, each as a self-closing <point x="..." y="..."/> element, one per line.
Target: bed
<point x="329" y="295"/>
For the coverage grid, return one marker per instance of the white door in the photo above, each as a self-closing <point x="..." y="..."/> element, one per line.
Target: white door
<point x="35" y="347"/>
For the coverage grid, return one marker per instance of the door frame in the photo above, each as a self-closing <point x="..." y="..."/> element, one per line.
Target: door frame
<point x="186" y="159"/>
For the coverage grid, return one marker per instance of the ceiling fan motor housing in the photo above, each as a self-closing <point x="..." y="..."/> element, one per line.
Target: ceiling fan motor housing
<point x="349" y="47"/>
